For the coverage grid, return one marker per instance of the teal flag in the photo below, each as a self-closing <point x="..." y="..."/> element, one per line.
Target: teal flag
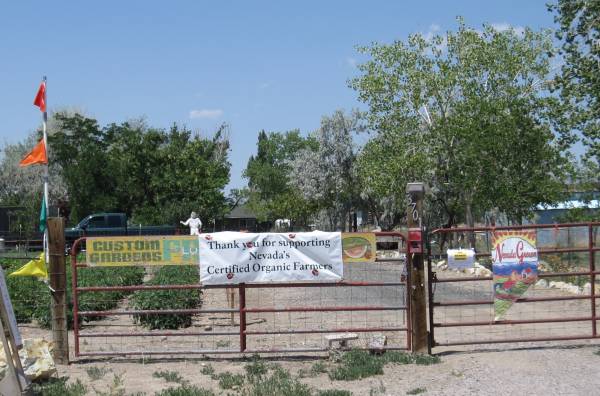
<point x="43" y="216"/>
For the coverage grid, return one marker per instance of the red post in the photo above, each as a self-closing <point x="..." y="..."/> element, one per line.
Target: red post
<point x="242" y="290"/>
<point x="592" y="276"/>
<point x="74" y="294"/>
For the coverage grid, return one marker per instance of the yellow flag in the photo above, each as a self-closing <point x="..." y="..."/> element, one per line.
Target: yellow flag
<point x="36" y="267"/>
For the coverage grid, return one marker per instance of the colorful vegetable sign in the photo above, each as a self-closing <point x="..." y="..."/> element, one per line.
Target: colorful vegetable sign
<point x="358" y="247"/>
<point x="515" y="267"/>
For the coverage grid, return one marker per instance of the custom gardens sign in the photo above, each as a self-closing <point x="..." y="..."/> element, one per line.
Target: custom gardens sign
<point x="239" y="257"/>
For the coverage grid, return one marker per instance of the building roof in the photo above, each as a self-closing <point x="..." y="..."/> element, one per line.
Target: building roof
<point x="240" y="212"/>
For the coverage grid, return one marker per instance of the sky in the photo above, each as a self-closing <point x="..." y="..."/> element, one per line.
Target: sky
<point x="272" y="65"/>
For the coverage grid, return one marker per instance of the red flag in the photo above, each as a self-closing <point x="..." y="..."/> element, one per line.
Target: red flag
<point x="36" y="156"/>
<point x="40" y="98"/>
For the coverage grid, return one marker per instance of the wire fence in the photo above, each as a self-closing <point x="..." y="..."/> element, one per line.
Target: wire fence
<point x="561" y="305"/>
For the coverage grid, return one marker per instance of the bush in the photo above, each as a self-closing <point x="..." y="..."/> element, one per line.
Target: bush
<point x="93" y="301"/>
<point x="357" y="364"/>
<point x="32" y="300"/>
<point x="168" y="299"/>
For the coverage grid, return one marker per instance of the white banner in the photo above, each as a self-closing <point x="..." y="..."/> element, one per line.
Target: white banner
<point x="240" y="257"/>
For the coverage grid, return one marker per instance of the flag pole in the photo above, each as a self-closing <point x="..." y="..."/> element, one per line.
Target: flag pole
<point x="46" y="172"/>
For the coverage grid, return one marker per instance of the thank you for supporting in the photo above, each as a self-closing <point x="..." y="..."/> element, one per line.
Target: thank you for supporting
<point x="236" y="257"/>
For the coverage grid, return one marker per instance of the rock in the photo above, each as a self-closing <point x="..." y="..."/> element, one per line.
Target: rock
<point x="377" y="344"/>
<point x="587" y="289"/>
<point x="163" y="338"/>
<point x="207" y="328"/>
<point x="470" y="271"/>
<point x="542" y="283"/>
<point x="36" y="359"/>
<point x="440" y="264"/>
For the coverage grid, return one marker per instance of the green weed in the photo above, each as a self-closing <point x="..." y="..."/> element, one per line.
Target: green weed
<point x="95" y="373"/>
<point x="256" y="369"/>
<point x="59" y="387"/>
<point x="416" y="391"/>
<point x="355" y="365"/>
<point x="185" y="390"/>
<point x="334" y="392"/>
<point x="207" y="370"/>
<point x="228" y="380"/>
<point x="279" y="382"/>
<point x="169" y="376"/>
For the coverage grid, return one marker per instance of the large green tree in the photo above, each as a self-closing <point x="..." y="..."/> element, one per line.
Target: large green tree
<point x="153" y="175"/>
<point x="469" y="113"/>
<point x="579" y="77"/>
<point x="270" y="194"/>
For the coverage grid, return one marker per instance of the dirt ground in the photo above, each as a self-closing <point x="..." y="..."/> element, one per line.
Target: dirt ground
<point x="544" y="369"/>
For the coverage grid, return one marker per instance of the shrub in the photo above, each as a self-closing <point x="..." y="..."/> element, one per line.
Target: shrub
<point x="356" y="364"/>
<point x="168" y="299"/>
<point x="31" y="298"/>
<point x="59" y="387"/>
<point x="185" y="390"/>
<point x="169" y="376"/>
<point x="93" y="301"/>
<point x="228" y="380"/>
<point x="279" y="382"/>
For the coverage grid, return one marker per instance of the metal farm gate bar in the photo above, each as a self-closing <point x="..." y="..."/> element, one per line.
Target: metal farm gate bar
<point x="561" y="305"/>
<point x="254" y="318"/>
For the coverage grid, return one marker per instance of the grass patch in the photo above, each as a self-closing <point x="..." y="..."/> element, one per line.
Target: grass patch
<point x="334" y="392"/>
<point x="357" y="364"/>
<point x="95" y="373"/>
<point x="280" y="382"/>
<point x="207" y="370"/>
<point x="185" y="390"/>
<point x="256" y="369"/>
<point x="169" y="376"/>
<point x="59" y="387"/>
<point x="229" y="380"/>
<point x="315" y="370"/>
<point x="416" y="391"/>
<point x="597" y="353"/>
<point x="168" y="299"/>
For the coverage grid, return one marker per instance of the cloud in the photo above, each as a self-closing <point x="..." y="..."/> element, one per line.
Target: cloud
<point x="433" y="29"/>
<point x="265" y="85"/>
<point x="351" y="61"/>
<point x="206" y="113"/>
<point x="503" y="26"/>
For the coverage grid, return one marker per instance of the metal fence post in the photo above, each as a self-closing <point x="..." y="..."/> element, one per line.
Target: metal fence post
<point x="58" y="281"/>
<point x="418" y="297"/>
<point x="242" y="290"/>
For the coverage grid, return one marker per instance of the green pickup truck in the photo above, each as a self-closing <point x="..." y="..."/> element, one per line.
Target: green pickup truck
<point x="112" y="224"/>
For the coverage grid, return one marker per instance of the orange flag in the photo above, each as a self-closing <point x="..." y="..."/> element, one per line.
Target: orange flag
<point x="40" y="97"/>
<point x="36" y="156"/>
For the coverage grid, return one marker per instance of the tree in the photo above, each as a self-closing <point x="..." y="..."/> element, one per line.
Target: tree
<point x="270" y="194"/>
<point x="469" y="114"/>
<point x="578" y="82"/>
<point x="327" y="173"/>
<point x="155" y="176"/>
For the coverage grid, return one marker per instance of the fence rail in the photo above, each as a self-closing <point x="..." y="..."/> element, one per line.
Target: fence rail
<point x="252" y="318"/>
<point x="560" y="306"/>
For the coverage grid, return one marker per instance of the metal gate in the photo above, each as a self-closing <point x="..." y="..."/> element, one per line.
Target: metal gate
<point x="254" y="318"/>
<point x="560" y="306"/>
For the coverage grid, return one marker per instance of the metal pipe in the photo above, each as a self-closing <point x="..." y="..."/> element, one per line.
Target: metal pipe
<point x="514" y="322"/>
